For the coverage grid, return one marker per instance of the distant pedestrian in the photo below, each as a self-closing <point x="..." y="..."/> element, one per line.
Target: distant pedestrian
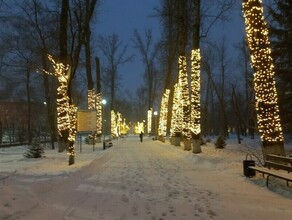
<point x="141" y="136"/>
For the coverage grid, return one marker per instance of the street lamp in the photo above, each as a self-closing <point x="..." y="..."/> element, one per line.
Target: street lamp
<point x="103" y="102"/>
<point x="155" y="113"/>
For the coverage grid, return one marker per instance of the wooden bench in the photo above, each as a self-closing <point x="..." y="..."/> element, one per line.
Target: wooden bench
<point x="107" y="143"/>
<point x="274" y="165"/>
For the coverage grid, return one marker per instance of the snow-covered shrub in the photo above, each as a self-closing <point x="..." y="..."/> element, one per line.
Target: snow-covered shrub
<point x="220" y="142"/>
<point x="35" y="150"/>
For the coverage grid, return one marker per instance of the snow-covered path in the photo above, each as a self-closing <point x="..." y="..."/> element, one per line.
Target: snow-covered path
<point x="149" y="180"/>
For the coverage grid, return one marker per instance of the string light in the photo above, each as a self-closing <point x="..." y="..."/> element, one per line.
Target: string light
<point x="73" y="128"/>
<point x="66" y="113"/>
<point x="162" y="127"/>
<point x="264" y="83"/>
<point x="177" y="113"/>
<point x="185" y="102"/>
<point x="195" y="125"/>
<point x="149" y="120"/>
<point x="119" y="120"/>
<point x="124" y="127"/>
<point x="139" y="127"/>
<point x="98" y="114"/>
<point x="61" y="72"/>
<point x="113" y="123"/>
<point x="91" y="99"/>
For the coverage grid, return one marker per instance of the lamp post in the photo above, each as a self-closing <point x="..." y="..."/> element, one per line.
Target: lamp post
<point x="155" y="113"/>
<point x="103" y="102"/>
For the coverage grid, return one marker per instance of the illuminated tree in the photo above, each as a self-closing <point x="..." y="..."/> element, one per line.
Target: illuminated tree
<point x="267" y="109"/>
<point x="98" y="101"/>
<point x="113" y="122"/>
<point x="149" y="120"/>
<point x="177" y="114"/>
<point x="163" y="115"/>
<point x="195" y="124"/>
<point x="98" y="114"/>
<point x="66" y="113"/>
<point x="195" y="103"/>
<point x="91" y="99"/>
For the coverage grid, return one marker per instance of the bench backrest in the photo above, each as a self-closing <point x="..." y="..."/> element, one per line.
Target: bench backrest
<point x="270" y="164"/>
<point x="280" y="159"/>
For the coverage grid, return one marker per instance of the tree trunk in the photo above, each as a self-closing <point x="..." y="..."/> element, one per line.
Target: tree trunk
<point x="195" y="77"/>
<point x="237" y="114"/>
<point x="29" y="132"/>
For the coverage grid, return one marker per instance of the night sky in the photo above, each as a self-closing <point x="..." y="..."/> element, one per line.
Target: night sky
<point x="123" y="16"/>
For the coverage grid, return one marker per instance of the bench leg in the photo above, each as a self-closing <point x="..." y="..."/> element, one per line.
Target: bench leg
<point x="267" y="182"/>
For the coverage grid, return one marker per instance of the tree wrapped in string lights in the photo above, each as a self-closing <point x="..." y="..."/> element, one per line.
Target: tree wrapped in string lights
<point x="66" y="113"/>
<point x="185" y="101"/>
<point x="91" y="99"/>
<point x="149" y="120"/>
<point x="114" y="124"/>
<point x="195" y="125"/>
<point x="162" y="127"/>
<point x="177" y="116"/>
<point x="98" y="115"/>
<point x="266" y="100"/>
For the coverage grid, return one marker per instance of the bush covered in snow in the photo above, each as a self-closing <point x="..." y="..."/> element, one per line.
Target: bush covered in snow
<point x="35" y="150"/>
<point x="220" y="142"/>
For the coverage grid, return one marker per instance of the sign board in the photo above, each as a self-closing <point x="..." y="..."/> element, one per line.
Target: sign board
<point x="86" y="120"/>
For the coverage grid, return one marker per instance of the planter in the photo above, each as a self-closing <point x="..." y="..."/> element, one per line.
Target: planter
<point x="196" y="144"/>
<point x="175" y="141"/>
<point x="187" y="144"/>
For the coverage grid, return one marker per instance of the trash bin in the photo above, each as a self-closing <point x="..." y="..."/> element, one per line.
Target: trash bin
<point x="246" y="163"/>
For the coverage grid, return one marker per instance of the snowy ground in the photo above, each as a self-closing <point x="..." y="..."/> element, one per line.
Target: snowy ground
<point x="133" y="180"/>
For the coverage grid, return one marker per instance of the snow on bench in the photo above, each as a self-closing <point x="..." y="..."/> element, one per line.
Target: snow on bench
<point x="276" y="166"/>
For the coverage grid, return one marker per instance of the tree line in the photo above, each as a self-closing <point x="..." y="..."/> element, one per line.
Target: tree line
<point x="32" y="29"/>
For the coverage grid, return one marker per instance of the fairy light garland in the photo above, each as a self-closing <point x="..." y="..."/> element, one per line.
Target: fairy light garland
<point x="183" y="82"/>
<point x="195" y="125"/>
<point x="118" y="124"/>
<point x="98" y="114"/>
<point x="113" y="123"/>
<point x="91" y="99"/>
<point x="177" y="113"/>
<point x="63" y="119"/>
<point x="163" y="114"/>
<point x="124" y="127"/>
<point x="269" y="124"/>
<point x="73" y="128"/>
<point x="149" y="120"/>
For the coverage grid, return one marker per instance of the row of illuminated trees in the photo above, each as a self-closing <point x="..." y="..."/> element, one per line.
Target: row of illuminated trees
<point x="185" y="95"/>
<point x="185" y="120"/>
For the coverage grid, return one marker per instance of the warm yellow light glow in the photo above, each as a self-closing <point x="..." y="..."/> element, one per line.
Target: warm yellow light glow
<point x="98" y="114"/>
<point x="185" y="101"/>
<point x="61" y="72"/>
<point x="114" y="124"/>
<point x="162" y="127"/>
<point x="264" y="83"/>
<point x="124" y="127"/>
<point x="139" y="127"/>
<point x="91" y="99"/>
<point x="149" y="120"/>
<point x="66" y="113"/>
<point x="118" y="123"/>
<point x="177" y="113"/>
<point x="195" y="125"/>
